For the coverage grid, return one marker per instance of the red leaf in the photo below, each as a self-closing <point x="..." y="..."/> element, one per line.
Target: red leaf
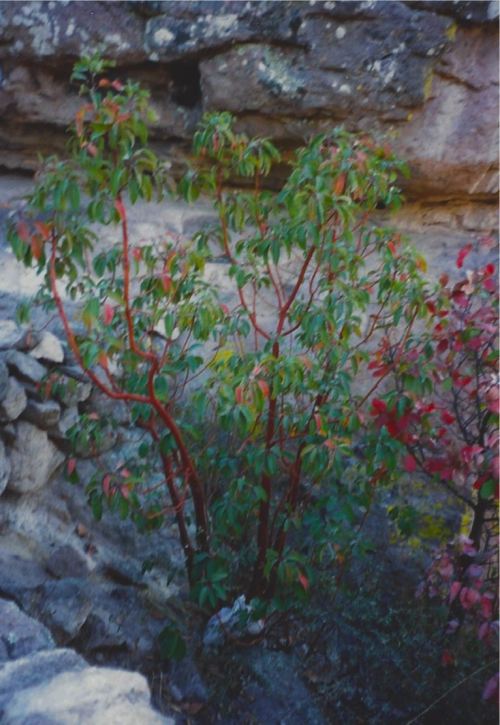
<point x="71" y="465"/>
<point x="92" y="149"/>
<point x="319" y="423"/>
<point x="238" y="394"/>
<point x="489" y="285"/>
<point x="339" y="185"/>
<point x="392" y="248"/>
<point x="117" y="86"/>
<point x="479" y="482"/>
<point x="447" y="658"/>
<point x="487" y="605"/>
<point x="469" y="452"/>
<point x="392" y="427"/>
<point x="125" y="473"/>
<point x="264" y="387"/>
<point x="103" y="360"/>
<point x="225" y="309"/>
<point x="490" y="691"/>
<point x="409" y="463"/>
<point x="36" y="247"/>
<point x="166" y="281"/>
<point x="378" y="406"/>
<point x="304" y="581"/>
<point x="104" y="83"/>
<point x="454" y="589"/>
<point x="460" y="298"/>
<point x="106" y="484"/>
<point x="447" y="418"/>
<point x="469" y="597"/>
<point x="443" y="280"/>
<point x="43" y="229"/>
<point x="484" y="631"/>
<point x="463" y="253"/>
<point x="23" y="232"/>
<point x="109" y="312"/>
<point x="137" y="254"/>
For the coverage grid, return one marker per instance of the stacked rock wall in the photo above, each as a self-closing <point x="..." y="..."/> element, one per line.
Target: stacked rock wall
<point x="67" y="581"/>
<point x="33" y="426"/>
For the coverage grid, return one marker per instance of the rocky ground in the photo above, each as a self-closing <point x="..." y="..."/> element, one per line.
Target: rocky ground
<point x="40" y="682"/>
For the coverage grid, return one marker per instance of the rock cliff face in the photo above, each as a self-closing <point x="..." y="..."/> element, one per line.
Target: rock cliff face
<point x="425" y="74"/>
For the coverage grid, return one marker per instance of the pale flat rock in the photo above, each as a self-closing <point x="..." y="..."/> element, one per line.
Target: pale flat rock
<point x="33" y="458"/>
<point x="49" y="348"/>
<point x="94" y="695"/>
<point x="34" y="669"/>
<point x="15" y="401"/>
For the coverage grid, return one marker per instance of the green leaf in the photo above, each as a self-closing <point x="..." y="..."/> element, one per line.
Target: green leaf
<point x="487" y="489"/>
<point x="96" y="506"/>
<point x="172" y="644"/>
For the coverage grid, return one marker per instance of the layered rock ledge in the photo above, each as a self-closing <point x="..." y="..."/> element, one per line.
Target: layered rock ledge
<point x="424" y="74"/>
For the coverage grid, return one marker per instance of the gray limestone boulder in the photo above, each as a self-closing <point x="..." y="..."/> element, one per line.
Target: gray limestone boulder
<point x="29" y="671"/>
<point x="25" y="367"/>
<point x="19" y="634"/>
<point x="49" y="348"/>
<point x="66" y="561"/>
<point x="94" y="695"/>
<point x="33" y="459"/>
<point x="14" y="402"/>
<point x="63" y="606"/>
<point x="44" y="414"/>
<point x="18" y="574"/>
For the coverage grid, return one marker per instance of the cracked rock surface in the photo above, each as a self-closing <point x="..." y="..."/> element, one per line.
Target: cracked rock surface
<point x="424" y="74"/>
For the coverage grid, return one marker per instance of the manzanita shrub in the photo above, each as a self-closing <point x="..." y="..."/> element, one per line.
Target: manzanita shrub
<point x="443" y="411"/>
<point x="252" y="415"/>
